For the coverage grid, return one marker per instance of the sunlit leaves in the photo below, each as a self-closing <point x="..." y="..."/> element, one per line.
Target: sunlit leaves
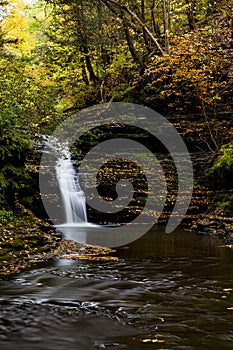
<point x="197" y="74"/>
<point x="14" y="27"/>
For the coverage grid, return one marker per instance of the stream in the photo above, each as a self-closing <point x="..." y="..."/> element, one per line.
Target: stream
<point x="166" y="291"/>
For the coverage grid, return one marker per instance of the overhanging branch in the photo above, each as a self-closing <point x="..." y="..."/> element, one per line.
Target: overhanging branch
<point x="136" y="18"/>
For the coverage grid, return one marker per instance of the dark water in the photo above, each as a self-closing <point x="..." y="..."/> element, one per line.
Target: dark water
<point x="167" y="291"/>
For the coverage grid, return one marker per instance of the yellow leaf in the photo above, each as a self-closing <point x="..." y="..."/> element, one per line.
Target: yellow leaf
<point x="153" y="340"/>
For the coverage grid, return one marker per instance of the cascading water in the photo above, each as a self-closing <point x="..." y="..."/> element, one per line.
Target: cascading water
<point x="73" y="197"/>
<point x="72" y="220"/>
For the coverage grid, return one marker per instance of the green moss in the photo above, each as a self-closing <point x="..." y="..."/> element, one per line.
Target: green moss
<point x="221" y="171"/>
<point x="225" y="159"/>
<point x="6" y="216"/>
<point x="222" y="203"/>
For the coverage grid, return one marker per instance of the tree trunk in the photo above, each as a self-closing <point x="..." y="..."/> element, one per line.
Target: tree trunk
<point x="145" y="36"/>
<point x="138" y="20"/>
<point x="154" y="23"/>
<point x="191" y="13"/>
<point x="166" y="30"/>
<point x="90" y="69"/>
<point x="130" y="43"/>
<point x="84" y="73"/>
<point x="84" y="46"/>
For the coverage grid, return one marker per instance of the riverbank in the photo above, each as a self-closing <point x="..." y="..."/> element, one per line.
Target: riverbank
<point x="219" y="226"/>
<point x="26" y="241"/>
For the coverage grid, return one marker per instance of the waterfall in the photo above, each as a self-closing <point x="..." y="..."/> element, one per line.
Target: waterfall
<point x="65" y="193"/>
<point x="73" y="197"/>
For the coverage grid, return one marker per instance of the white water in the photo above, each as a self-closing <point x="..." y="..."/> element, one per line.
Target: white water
<point x="73" y="223"/>
<point x="73" y="197"/>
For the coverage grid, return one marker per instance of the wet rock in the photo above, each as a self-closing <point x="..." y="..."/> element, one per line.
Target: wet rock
<point x="202" y="227"/>
<point x="222" y="228"/>
<point x="46" y="228"/>
<point x="214" y="224"/>
<point x="221" y="233"/>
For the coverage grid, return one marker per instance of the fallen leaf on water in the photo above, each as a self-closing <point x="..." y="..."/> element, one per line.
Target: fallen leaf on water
<point x="153" y="340"/>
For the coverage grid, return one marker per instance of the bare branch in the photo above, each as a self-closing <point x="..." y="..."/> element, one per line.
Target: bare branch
<point x="139" y="21"/>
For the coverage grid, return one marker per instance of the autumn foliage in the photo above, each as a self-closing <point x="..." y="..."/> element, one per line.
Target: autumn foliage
<point x="197" y="76"/>
<point x="57" y="57"/>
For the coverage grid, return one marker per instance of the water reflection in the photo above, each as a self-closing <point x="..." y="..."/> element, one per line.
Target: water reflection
<point x="166" y="291"/>
<point x="180" y="243"/>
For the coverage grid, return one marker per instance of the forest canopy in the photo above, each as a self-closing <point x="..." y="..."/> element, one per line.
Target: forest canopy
<point x="57" y="57"/>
